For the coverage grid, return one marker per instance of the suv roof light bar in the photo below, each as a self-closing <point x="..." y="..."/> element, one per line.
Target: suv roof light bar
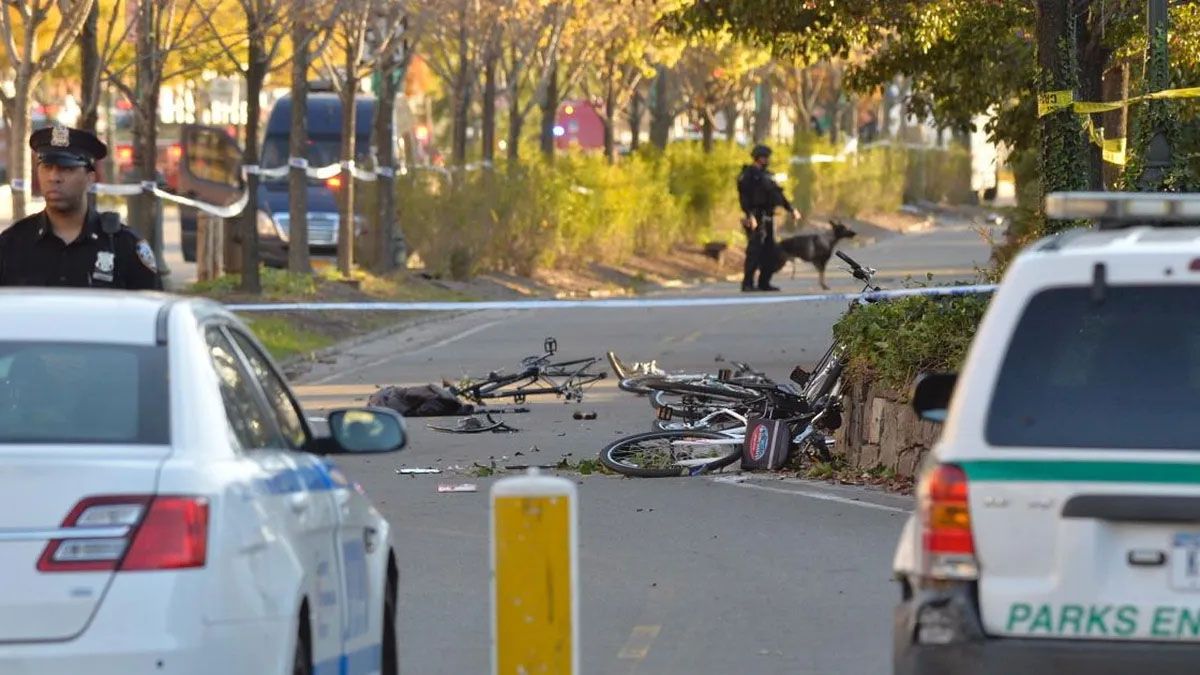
<point x="1115" y="210"/>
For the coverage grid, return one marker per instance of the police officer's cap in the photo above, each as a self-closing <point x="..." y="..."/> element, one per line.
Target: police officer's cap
<point x="760" y="151"/>
<point x="64" y="146"/>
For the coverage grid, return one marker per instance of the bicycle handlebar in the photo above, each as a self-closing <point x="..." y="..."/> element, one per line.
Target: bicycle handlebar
<point x="849" y="261"/>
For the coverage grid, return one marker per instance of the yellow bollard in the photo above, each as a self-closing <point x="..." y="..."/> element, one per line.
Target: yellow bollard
<point x="535" y="576"/>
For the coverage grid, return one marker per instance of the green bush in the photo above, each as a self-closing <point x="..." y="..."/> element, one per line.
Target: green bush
<point x="579" y="209"/>
<point x="878" y="179"/>
<point x="892" y="342"/>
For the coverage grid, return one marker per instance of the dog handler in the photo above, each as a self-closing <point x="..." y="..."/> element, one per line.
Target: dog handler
<point x="759" y="195"/>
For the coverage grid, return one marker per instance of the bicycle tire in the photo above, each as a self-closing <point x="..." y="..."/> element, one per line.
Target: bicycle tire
<point x="722" y="391"/>
<point x="633" y="385"/>
<point x="715" y="425"/>
<point x="612" y="454"/>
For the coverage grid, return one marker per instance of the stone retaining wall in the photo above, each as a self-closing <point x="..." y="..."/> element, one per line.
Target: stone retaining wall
<point x="879" y="430"/>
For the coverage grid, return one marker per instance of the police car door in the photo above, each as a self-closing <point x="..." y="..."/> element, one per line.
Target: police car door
<point x="1084" y="491"/>
<point x="311" y="503"/>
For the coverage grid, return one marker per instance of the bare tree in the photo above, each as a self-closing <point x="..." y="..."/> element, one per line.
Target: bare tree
<point x="312" y="24"/>
<point x="458" y="38"/>
<point x="534" y="35"/>
<point x="255" y="54"/>
<point x="358" y="48"/>
<point x="171" y="43"/>
<point x="29" y="63"/>
<point x="396" y="21"/>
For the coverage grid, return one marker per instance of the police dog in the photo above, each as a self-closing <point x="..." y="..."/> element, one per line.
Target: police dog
<point x="814" y="248"/>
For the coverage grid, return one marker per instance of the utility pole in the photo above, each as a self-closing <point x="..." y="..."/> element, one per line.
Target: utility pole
<point x="1158" y="75"/>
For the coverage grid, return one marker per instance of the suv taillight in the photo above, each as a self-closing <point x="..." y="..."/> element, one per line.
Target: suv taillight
<point x="947" y="543"/>
<point x="132" y="532"/>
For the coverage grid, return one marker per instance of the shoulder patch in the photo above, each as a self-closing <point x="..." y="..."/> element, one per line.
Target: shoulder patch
<point x="146" y="255"/>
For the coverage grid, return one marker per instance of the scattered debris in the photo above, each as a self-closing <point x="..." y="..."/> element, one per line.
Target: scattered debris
<point x="474" y="425"/>
<point x="526" y="467"/>
<point x="457" y="487"/>
<point x="411" y="472"/>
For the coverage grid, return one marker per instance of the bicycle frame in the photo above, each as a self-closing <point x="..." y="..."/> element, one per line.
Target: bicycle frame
<point x="538" y="371"/>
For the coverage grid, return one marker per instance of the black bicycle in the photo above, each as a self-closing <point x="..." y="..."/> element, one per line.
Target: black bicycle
<point x="538" y="376"/>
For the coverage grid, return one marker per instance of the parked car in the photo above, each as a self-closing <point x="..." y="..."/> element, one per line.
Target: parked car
<point x="1058" y="520"/>
<point x="167" y="506"/>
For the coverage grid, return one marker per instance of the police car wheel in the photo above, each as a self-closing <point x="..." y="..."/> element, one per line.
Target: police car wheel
<point x="391" y="660"/>
<point x="302" y="661"/>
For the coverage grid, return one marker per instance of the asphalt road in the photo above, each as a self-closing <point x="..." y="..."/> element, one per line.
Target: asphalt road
<point x="726" y="574"/>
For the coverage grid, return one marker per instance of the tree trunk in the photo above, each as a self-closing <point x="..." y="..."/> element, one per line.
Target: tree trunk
<point x="763" y="105"/>
<point x="386" y="255"/>
<point x="1093" y="61"/>
<point x="635" y="121"/>
<point x="346" y="228"/>
<point x="462" y="94"/>
<point x="298" y="258"/>
<point x="515" y="122"/>
<point x="610" y="121"/>
<point x="143" y="209"/>
<point x="256" y="75"/>
<point x="731" y="120"/>
<point x="18" y="146"/>
<point x="706" y="130"/>
<point x="1116" y="88"/>
<point x="1062" y="159"/>
<point x="550" y="113"/>
<point x="489" y="108"/>
<point x="89" y="55"/>
<point x="661" y="114"/>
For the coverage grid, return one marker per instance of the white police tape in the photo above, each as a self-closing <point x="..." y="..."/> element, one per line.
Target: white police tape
<point x="617" y="303"/>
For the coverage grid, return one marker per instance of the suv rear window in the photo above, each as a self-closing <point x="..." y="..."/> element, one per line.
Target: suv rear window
<point x="83" y="393"/>
<point x="1123" y="372"/>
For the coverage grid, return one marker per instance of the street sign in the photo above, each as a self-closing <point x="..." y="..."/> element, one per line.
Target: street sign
<point x="535" y="576"/>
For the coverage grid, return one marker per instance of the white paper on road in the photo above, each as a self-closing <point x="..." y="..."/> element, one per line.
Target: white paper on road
<point x="620" y="303"/>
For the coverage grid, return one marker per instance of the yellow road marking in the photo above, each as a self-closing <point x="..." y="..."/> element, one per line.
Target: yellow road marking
<point x="638" y="645"/>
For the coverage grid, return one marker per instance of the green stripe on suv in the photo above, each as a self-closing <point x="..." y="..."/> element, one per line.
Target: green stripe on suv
<point x="1081" y="471"/>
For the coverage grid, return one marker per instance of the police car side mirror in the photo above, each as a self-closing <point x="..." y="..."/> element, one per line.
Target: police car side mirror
<point x="364" y="431"/>
<point x="931" y="395"/>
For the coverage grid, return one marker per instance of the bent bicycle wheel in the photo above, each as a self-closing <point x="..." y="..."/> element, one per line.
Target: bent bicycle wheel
<point x="664" y="454"/>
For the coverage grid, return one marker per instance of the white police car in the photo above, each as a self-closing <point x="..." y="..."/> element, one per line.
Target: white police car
<point x="1058" y="523"/>
<point x="164" y="506"/>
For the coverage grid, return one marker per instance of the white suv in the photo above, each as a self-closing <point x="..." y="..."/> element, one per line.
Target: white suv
<point x="1058" y="523"/>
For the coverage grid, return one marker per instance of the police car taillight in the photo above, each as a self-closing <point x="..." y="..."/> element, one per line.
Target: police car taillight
<point x="130" y="533"/>
<point x="947" y="542"/>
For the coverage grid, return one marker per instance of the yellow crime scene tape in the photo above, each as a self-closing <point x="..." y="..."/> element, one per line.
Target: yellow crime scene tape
<point x="1112" y="149"/>
<point x="535" y="576"/>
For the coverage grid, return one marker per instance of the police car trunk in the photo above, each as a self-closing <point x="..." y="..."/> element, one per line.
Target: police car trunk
<point x="1059" y="525"/>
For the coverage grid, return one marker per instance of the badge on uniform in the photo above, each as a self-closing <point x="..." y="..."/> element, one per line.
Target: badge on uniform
<point x="60" y="136"/>
<point x="146" y="255"/>
<point x="104" y="266"/>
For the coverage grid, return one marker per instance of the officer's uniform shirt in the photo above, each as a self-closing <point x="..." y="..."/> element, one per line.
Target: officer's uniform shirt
<point x="32" y="255"/>
<point x="758" y="192"/>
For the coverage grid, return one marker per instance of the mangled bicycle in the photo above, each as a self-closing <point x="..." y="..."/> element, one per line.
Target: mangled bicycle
<point x="538" y="376"/>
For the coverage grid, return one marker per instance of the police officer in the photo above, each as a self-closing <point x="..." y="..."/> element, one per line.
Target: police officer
<point x="68" y="243"/>
<point x="759" y="195"/>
